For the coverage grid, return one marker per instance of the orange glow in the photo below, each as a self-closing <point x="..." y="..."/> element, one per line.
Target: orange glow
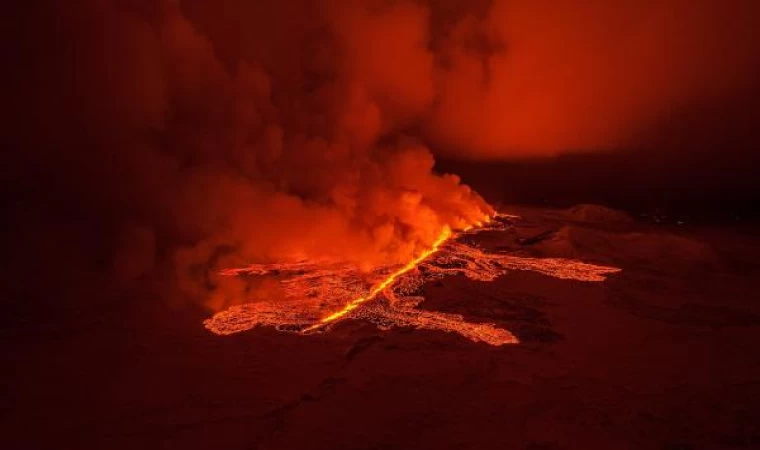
<point x="445" y="234"/>
<point x="313" y="287"/>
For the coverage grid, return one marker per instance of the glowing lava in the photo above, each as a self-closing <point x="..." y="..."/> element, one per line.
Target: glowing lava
<point x="445" y="234"/>
<point x="389" y="296"/>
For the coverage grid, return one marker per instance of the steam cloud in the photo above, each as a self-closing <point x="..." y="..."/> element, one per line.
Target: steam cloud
<point x="187" y="136"/>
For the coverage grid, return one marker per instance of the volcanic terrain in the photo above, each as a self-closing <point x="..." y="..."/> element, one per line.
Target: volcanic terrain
<point x="661" y="355"/>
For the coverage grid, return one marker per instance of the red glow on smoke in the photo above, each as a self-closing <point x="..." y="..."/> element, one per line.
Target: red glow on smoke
<point x="321" y="294"/>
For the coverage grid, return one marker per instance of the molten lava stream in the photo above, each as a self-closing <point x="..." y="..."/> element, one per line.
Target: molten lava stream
<point x="387" y="282"/>
<point x="309" y="285"/>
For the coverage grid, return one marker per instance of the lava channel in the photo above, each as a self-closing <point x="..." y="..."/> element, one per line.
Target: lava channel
<point x="389" y="296"/>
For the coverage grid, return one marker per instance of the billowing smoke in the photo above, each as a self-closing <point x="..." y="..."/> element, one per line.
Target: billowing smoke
<point x="274" y="135"/>
<point x="182" y="137"/>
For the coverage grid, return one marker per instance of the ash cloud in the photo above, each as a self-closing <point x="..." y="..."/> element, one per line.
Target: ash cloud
<point x="180" y="137"/>
<point x="188" y="137"/>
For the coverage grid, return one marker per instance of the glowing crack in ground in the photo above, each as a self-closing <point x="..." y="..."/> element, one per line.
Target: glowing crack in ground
<point x="389" y="296"/>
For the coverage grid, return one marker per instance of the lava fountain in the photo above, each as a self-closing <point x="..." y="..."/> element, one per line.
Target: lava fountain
<point x="389" y="296"/>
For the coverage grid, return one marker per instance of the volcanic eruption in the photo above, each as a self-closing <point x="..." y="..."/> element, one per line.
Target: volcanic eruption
<point x="293" y="224"/>
<point x="388" y="295"/>
<point x="181" y="139"/>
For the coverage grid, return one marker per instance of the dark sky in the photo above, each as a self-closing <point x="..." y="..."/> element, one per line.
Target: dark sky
<point x="699" y="163"/>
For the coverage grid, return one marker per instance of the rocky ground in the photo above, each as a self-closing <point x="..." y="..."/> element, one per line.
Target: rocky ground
<point x="661" y="356"/>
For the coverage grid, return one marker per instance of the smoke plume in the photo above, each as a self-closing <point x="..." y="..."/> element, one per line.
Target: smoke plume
<point x="182" y="137"/>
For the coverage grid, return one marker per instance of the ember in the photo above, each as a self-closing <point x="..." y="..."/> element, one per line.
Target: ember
<point x="388" y="296"/>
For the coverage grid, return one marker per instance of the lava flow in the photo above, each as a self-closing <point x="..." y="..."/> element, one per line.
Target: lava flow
<point x="389" y="296"/>
<point x="388" y="281"/>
